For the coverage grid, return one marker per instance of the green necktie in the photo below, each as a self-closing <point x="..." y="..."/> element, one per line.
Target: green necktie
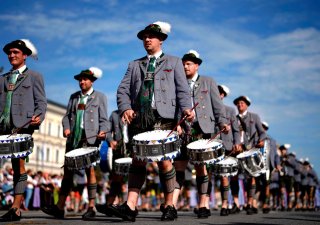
<point x="147" y="116"/>
<point x="5" y="117"/>
<point x="79" y="117"/>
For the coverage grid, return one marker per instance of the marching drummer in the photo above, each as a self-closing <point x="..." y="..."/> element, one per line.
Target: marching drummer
<point x="85" y="124"/>
<point x="21" y="109"/>
<point x="274" y="164"/>
<point x="252" y="135"/>
<point x="150" y="96"/>
<point x="210" y="113"/>
<point x="288" y="163"/>
<point x="232" y="144"/>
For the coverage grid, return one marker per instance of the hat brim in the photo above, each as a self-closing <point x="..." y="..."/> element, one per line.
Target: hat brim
<point x="241" y="98"/>
<point x="192" y="59"/>
<point x="14" y="44"/>
<point x="78" y="76"/>
<point x="162" y="36"/>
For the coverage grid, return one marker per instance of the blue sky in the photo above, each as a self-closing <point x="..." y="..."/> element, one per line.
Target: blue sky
<point x="267" y="50"/>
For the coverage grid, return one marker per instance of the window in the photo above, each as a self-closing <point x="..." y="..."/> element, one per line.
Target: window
<point x="59" y="127"/>
<point x="38" y="153"/>
<point x="48" y="154"/>
<point x="57" y="156"/>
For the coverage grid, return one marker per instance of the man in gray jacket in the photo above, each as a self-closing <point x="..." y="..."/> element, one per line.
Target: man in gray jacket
<point x="210" y="113"/>
<point x="252" y="135"/>
<point x="23" y="105"/>
<point x="152" y="94"/>
<point x="85" y="124"/>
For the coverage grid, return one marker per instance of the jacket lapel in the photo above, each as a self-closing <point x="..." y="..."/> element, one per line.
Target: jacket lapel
<point x="90" y="99"/>
<point x="197" y="86"/>
<point x="159" y="64"/>
<point x="143" y="65"/>
<point x="20" y="79"/>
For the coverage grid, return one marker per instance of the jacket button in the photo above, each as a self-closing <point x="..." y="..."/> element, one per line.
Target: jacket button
<point x="203" y="107"/>
<point x="91" y="120"/>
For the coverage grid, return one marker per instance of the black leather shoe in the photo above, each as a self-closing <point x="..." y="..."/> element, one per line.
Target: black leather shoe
<point x="249" y="210"/>
<point x="255" y="210"/>
<point x="105" y="209"/>
<point x="169" y="213"/>
<point x="234" y="210"/>
<point x="203" y="213"/>
<point x="175" y="211"/>
<point x="224" y="212"/>
<point x="124" y="212"/>
<point x="195" y="211"/>
<point x="11" y="215"/>
<point x="266" y="210"/>
<point x="53" y="211"/>
<point x="90" y="214"/>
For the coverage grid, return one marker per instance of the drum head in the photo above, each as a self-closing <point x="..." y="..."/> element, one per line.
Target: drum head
<point x="248" y="153"/>
<point x="155" y="137"/>
<point x="80" y="151"/>
<point x="229" y="161"/>
<point x="127" y="160"/>
<point x="204" y="144"/>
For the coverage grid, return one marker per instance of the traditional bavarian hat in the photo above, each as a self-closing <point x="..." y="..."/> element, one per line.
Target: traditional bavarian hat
<point x="92" y="73"/>
<point x="246" y="99"/>
<point x="224" y="89"/>
<point x="284" y="147"/>
<point x="193" y="56"/>
<point x="24" y="45"/>
<point x="161" y="29"/>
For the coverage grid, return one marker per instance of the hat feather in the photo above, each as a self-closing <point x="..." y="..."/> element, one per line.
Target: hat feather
<point x="96" y="72"/>
<point x="194" y="52"/>
<point x="31" y="46"/>
<point x="165" y="27"/>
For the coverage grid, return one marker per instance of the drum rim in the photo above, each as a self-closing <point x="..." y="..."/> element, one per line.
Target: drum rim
<point x="219" y="145"/>
<point x="14" y="138"/>
<point x="172" y="138"/>
<point x="92" y="149"/>
<point x="129" y="160"/>
<point x="245" y="154"/>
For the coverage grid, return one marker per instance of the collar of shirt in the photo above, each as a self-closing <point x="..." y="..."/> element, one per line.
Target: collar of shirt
<point x="157" y="55"/>
<point x="193" y="80"/>
<point x="243" y="114"/>
<point x="88" y="93"/>
<point x="21" y="69"/>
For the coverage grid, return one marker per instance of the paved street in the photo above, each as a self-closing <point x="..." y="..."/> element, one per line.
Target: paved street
<point x="185" y="218"/>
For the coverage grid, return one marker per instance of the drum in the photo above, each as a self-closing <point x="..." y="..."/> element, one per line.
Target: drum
<point x="227" y="167"/>
<point x="15" y="146"/>
<point x="82" y="158"/>
<point x="252" y="162"/>
<point x="155" y="146"/>
<point x="106" y="155"/>
<point x="204" y="151"/>
<point x="122" y="165"/>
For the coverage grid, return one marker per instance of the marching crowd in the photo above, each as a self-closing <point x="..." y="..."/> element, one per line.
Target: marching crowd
<point x="186" y="148"/>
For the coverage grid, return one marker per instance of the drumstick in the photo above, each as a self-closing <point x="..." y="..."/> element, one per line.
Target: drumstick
<point x="218" y="133"/>
<point x="18" y="129"/>
<point x="195" y="105"/>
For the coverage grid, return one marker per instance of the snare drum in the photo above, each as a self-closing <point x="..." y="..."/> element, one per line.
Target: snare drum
<point x="252" y="162"/>
<point x="15" y="146"/>
<point x="227" y="167"/>
<point x="155" y="146"/>
<point x="122" y="165"/>
<point x="204" y="151"/>
<point x="82" y="158"/>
